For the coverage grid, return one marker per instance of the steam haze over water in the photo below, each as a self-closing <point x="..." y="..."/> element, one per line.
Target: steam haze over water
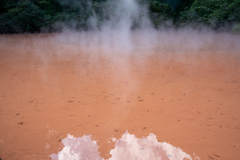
<point x="128" y="27"/>
<point x="177" y="85"/>
<point x="128" y="32"/>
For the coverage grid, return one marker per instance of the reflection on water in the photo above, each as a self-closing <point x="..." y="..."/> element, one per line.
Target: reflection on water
<point x="127" y="147"/>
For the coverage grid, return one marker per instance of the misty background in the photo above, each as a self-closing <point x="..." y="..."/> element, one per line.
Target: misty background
<point x="33" y="16"/>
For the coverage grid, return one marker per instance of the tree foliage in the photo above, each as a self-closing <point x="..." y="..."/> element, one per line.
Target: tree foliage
<point x="21" y="16"/>
<point x="214" y="13"/>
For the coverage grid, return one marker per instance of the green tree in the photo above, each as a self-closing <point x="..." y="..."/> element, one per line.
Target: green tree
<point x="214" y="13"/>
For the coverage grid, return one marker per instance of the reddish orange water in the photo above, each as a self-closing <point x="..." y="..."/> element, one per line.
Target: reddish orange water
<point x="190" y="99"/>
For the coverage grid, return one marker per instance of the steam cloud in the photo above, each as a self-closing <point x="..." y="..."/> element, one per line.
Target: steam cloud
<point x="126" y="25"/>
<point x="128" y="147"/>
<point x="116" y="30"/>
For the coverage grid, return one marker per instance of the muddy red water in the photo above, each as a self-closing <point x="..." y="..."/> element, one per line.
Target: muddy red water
<point x="186" y="96"/>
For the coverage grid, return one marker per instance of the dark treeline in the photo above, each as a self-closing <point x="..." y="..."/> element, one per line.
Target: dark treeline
<point x="21" y="16"/>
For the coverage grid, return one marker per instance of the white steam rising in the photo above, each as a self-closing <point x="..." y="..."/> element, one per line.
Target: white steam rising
<point x="116" y="30"/>
<point x="126" y="14"/>
<point x="127" y="147"/>
<point x="78" y="148"/>
<point x="127" y="27"/>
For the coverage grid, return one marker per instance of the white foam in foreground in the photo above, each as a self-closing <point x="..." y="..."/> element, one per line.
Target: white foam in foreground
<point x="126" y="148"/>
